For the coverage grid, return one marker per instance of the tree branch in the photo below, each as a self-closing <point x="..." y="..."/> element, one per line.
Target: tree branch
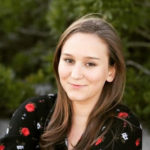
<point x="138" y="44"/>
<point x="145" y="3"/>
<point x="138" y="66"/>
<point x="33" y="32"/>
<point x="143" y="33"/>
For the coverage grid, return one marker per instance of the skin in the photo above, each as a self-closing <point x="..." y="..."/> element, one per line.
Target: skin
<point x="83" y="70"/>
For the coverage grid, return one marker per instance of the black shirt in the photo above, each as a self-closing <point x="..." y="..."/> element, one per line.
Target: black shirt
<point x="30" y="119"/>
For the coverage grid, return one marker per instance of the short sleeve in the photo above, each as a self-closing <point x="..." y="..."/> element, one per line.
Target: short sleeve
<point x="26" y="125"/>
<point x="124" y="134"/>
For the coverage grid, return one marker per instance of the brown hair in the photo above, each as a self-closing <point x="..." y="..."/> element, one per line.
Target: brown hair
<point x="111" y="95"/>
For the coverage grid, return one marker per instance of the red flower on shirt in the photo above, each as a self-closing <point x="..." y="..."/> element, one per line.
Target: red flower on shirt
<point x="30" y="107"/>
<point x="123" y="115"/>
<point x="98" y="141"/>
<point x="2" y="147"/>
<point x="137" y="142"/>
<point x="25" y="131"/>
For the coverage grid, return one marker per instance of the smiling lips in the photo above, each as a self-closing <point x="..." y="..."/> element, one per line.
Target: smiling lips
<point x="76" y="85"/>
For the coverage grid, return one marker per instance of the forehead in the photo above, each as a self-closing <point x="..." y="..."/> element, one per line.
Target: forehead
<point x="85" y="45"/>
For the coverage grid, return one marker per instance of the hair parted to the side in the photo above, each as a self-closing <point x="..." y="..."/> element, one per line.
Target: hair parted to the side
<point x="60" y="122"/>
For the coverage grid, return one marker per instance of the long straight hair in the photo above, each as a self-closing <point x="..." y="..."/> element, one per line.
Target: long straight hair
<point x="60" y="122"/>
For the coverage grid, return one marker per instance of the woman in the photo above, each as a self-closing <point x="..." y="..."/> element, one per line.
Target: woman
<point x="86" y="113"/>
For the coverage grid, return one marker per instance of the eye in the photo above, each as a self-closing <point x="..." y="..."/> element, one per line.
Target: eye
<point x="90" y="64"/>
<point x="68" y="60"/>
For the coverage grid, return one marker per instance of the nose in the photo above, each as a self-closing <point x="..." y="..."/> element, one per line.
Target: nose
<point x="77" y="71"/>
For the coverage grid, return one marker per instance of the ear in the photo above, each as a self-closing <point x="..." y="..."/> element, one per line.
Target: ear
<point x="111" y="73"/>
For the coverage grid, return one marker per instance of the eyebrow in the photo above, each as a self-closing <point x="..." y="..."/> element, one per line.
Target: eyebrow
<point x="87" y="57"/>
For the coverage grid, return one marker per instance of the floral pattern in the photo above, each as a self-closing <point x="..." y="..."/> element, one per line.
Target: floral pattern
<point x="98" y="141"/>
<point x="137" y="142"/>
<point x="29" y="120"/>
<point x="25" y="131"/>
<point x="2" y="147"/>
<point x="122" y="115"/>
<point x="30" y="107"/>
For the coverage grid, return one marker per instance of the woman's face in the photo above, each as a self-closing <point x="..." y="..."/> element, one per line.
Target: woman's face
<point x="84" y="67"/>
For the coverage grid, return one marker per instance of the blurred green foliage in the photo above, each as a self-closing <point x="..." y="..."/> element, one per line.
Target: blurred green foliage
<point x="13" y="91"/>
<point x="137" y="93"/>
<point x="30" y="31"/>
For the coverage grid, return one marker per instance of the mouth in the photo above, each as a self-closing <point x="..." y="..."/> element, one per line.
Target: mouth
<point x="77" y="85"/>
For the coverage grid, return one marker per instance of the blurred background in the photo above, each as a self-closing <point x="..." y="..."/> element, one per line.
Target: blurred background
<point x="29" y="32"/>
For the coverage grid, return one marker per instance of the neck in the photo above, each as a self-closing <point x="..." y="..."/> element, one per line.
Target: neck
<point x="84" y="107"/>
<point x="81" y="111"/>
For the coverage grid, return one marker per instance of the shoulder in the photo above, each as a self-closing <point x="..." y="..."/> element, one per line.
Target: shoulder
<point x="42" y="99"/>
<point x="34" y="108"/>
<point x="125" y="132"/>
<point x="126" y="128"/>
<point x="35" y="104"/>
<point x="124" y="114"/>
<point x="32" y="111"/>
<point x="126" y="123"/>
<point x="28" y="122"/>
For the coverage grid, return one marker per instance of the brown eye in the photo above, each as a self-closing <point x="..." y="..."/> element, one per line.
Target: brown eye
<point x="69" y="61"/>
<point x="90" y="64"/>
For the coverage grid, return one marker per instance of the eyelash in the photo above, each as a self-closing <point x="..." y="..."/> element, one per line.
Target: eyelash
<point x="91" y="64"/>
<point x="70" y="61"/>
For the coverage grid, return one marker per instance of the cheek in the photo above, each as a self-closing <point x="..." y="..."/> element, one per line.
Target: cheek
<point x="63" y="71"/>
<point x="99" y="75"/>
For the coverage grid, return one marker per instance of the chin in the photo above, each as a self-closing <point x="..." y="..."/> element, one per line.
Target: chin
<point x="74" y="97"/>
